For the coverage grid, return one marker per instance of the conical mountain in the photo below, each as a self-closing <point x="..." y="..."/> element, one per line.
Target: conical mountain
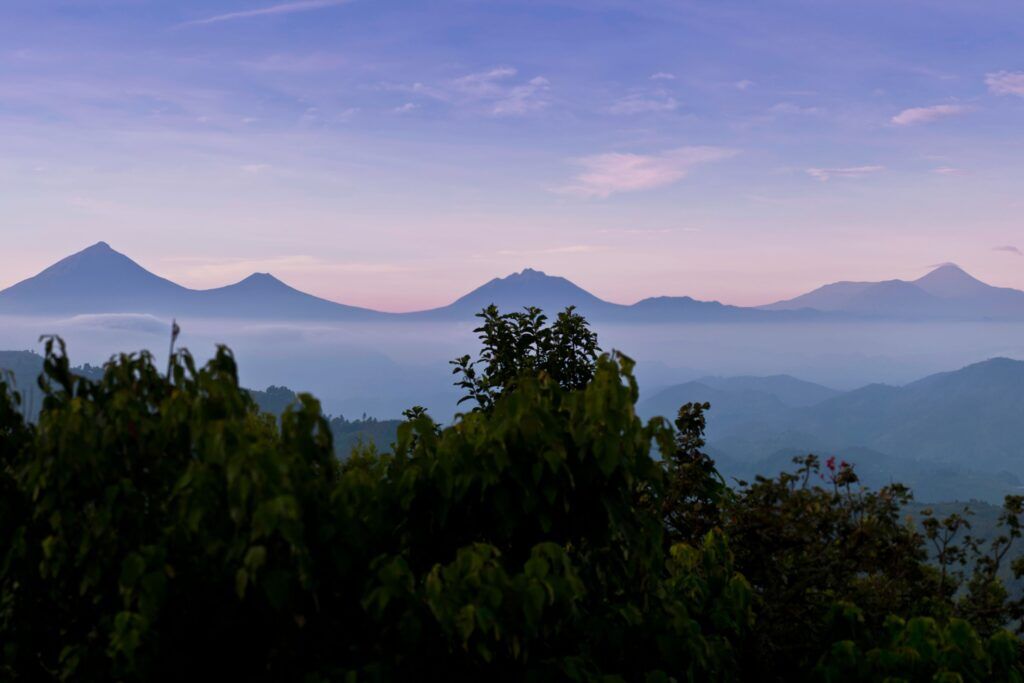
<point x="528" y="287"/>
<point x="949" y="281"/>
<point x="261" y="295"/>
<point x="94" y="280"/>
<point x="945" y="292"/>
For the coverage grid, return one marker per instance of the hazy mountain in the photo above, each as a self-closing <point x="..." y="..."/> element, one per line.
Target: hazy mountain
<point x="927" y="480"/>
<point x="683" y="308"/>
<point x="553" y="294"/>
<point x="731" y="408"/>
<point x="949" y="281"/>
<point x="951" y="435"/>
<point x="973" y="415"/>
<point x="791" y="391"/>
<point x="526" y="288"/>
<point x="736" y="399"/>
<point x="101" y="280"/>
<point x="261" y="295"/>
<point x="945" y="292"/>
<point x="94" y="280"/>
<point x="972" y="418"/>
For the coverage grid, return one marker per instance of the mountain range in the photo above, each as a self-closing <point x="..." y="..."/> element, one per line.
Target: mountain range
<point x="99" y="279"/>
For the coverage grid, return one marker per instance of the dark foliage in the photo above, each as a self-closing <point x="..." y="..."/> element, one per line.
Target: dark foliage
<point x="158" y="526"/>
<point x="520" y="344"/>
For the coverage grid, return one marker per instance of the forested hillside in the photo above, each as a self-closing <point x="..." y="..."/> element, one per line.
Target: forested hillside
<point x="953" y="435"/>
<point x="347" y="434"/>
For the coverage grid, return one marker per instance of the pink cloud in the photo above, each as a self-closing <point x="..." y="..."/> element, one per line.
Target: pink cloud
<point x="916" y="115"/>
<point x="826" y="174"/>
<point x="607" y="174"/>
<point x="1006" y="82"/>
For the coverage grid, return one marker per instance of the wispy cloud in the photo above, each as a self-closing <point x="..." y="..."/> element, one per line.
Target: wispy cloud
<point x="1009" y="249"/>
<point x="283" y="8"/>
<point x="826" y="174"/>
<point x="642" y="104"/>
<point x="502" y="96"/>
<point x="1006" y="83"/>
<point x="916" y="115"/>
<point x="791" y="108"/>
<point x="663" y="76"/>
<point x="406" y="108"/>
<point x="607" y="174"/>
<point x="948" y="170"/>
<point x="744" y="85"/>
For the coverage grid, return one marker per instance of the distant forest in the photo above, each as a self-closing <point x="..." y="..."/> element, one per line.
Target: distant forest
<point x="348" y="434"/>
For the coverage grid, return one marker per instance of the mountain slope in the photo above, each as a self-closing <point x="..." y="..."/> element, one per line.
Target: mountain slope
<point x="261" y="295"/>
<point x="791" y="391"/>
<point x="970" y="417"/>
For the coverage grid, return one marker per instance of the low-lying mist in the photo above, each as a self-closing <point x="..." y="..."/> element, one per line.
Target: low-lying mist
<point x="382" y="368"/>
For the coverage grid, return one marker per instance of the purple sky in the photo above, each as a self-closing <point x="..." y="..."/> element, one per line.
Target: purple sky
<point x="398" y="154"/>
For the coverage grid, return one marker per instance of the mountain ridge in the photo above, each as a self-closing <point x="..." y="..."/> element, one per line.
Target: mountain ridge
<point x="99" y="279"/>
<point x="975" y="411"/>
<point x="947" y="291"/>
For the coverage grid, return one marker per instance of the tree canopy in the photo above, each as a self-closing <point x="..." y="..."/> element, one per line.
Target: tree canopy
<point x="157" y="526"/>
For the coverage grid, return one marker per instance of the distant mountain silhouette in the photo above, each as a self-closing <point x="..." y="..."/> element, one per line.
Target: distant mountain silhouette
<point x="528" y="287"/>
<point x="101" y="280"/>
<point x="791" y="391"/>
<point x="553" y="294"/>
<point x="261" y="295"/>
<point x="929" y="482"/>
<point x="945" y="292"/>
<point x="738" y="401"/>
<point x="95" y="280"/>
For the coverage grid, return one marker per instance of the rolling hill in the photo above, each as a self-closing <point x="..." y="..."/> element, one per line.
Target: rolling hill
<point x="968" y="423"/>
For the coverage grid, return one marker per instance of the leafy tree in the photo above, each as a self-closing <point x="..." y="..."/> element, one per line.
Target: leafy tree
<point x="695" y="491"/>
<point x="520" y="343"/>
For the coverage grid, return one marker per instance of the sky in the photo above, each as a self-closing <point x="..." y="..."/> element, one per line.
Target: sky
<point x="396" y="154"/>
